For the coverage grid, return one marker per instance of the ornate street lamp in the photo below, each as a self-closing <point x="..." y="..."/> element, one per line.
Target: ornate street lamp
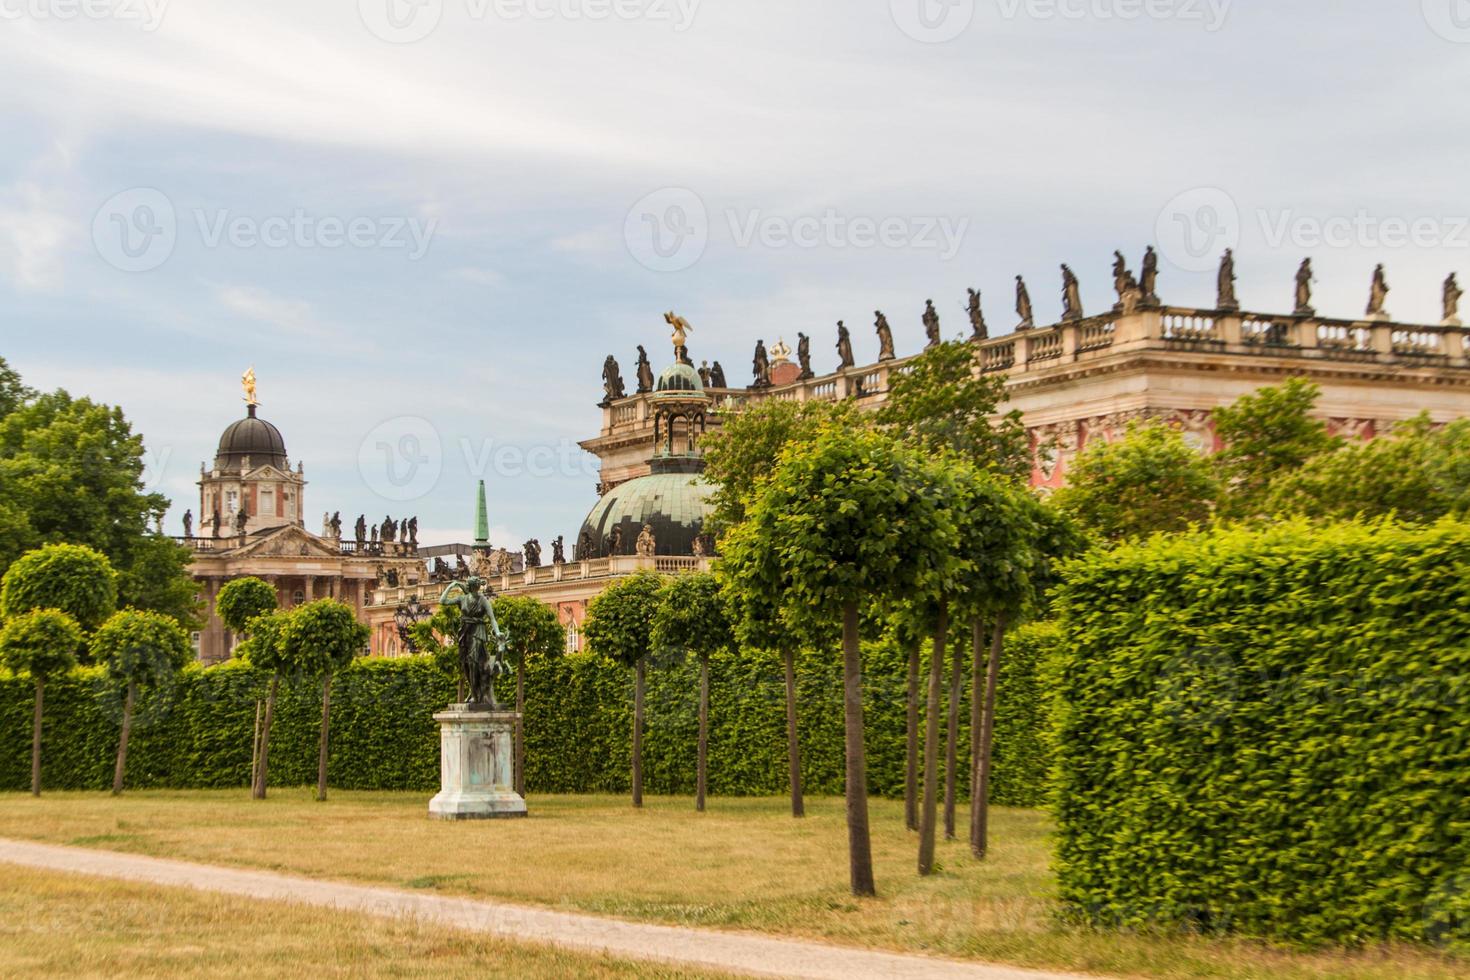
<point x="404" y="617"/>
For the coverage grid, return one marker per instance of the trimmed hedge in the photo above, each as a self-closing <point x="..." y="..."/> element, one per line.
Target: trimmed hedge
<point x="196" y="733"/>
<point x="1268" y="732"/>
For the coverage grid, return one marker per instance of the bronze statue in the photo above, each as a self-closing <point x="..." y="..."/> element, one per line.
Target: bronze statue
<point x="612" y="382"/>
<point x="478" y="664"/>
<point x="717" y="376"/>
<point x="931" y="324"/>
<point x="361" y="529"/>
<point x="188" y="523"/>
<point x="804" y="356"/>
<point x="336" y="524"/>
<point x="1378" y="297"/>
<point x="978" y="329"/>
<point x="413" y="532"/>
<point x="1452" y="294"/>
<point x="1071" y="295"/>
<point x="885" y="339"/>
<point x="704" y="373"/>
<point x="388" y="530"/>
<point x="558" y="550"/>
<point x="645" y="372"/>
<point x="646" y="545"/>
<point x="1023" y="306"/>
<point x="1304" y="282"/>
<point x="760" y="365"/>
<point x="586" y="546"/>
<point x="844" y="346"/>
<point x="1148" y="279"/>
<point x="216" y="520"/>
<point x="240" y="519"/>
<point x="533" y="553"/>
<point x="615" y="540"/>
<point x="1225" y="283"/>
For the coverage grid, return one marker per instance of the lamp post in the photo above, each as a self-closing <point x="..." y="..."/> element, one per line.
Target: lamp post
<point x="404" y="617"/>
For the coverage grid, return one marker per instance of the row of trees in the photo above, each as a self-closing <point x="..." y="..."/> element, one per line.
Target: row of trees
<point x="58" y="606"/>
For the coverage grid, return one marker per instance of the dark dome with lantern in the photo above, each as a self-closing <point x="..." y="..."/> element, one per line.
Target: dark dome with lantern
<point x="253" y="437"/>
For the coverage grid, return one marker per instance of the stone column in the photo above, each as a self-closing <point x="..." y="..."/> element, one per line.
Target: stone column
<point x="310" y="589"/>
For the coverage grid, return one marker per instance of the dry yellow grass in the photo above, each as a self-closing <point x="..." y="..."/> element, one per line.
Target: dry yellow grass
<point x="744" y="864"/>
<point x="73" y="926"/>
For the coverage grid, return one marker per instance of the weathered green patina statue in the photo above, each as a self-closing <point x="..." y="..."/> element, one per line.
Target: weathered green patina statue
<point x="478" y="663"/>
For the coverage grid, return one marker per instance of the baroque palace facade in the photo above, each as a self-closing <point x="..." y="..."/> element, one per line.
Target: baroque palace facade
<point x="1076" y="381"/>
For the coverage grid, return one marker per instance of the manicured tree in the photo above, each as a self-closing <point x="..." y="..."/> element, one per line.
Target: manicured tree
<point x="1148" y="482"/>
<point x="139" y="649"/>
<point x="1266" y="434"/>
<point x="319" y="639"/>
<point x="620" y="627"/>
<point x="908" y="633"/>
<point x="72" y="578"/>
<point x="242" y="600"/>
<point x="263" y="650"/>
<point x="693" y="616"/>
<point x="846" y="519"/>
<point x="41" y="643"/>
<point x="534" y="631"/>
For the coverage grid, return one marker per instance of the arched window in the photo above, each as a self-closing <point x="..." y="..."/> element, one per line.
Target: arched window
<point x="574" y="638"/>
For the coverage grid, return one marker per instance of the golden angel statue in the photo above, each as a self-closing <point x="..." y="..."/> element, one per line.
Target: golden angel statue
<point x="681" y="329"/>
<point x="247" y="381"/>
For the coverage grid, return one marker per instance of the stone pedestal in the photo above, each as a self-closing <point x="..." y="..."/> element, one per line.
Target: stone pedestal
<point x="476" y="762"/>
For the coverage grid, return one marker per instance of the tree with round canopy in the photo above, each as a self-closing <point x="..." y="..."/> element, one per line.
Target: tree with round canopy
<point x="534" y="631"/>
<point x="619" y="626"/>
<point x="40" y="643"/>
<point x="242" y="600"/>
<point x="263" y="649"/>
<point x="75" y="579"/>
<point x="317" y="640"/>
<point x="139" y="649"/>
<point x="693" y="616"/>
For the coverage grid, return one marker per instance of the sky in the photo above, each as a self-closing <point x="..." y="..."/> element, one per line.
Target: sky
<point x="425" y="223"/>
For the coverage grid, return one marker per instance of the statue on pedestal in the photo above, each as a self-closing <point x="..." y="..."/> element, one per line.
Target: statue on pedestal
<point x="240" y="519"/>
<point x="1225" y="284"/>
<point x="612" y="382"/>
<point x="978" y="329"/>
<point x="360" y="530"/>
<point x="844" y="346"/>
<point x="804" y="356"/>
<point x="615" y="540"/>
<point x="558" y="550"/>
<point x="931" y="324"/>
<point x="1071" y="295"/>
<point x="704" y="373"/>
<point x="885" y="338"/>
<point x="586" y="546"/>
<point x="646" y="544"/>
<point x="478" y="664"/>
<point x="717" y="376"/>
<point x="533" y="553"/>
<point x="336" y="525"/>
<point x="1304" y="282"/>
<point x="1378" y="296"/>
<point x="1148" y="278"/>
<point x="188" y="523"/>
<point x="645" y="372"/>
<point x="412" y="530"/>
<point x="1023" y="306"/>
<point x="1452" y="294"/>
<point x="760" y="366"/>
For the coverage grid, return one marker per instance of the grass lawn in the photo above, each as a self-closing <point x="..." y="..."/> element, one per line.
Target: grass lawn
<point x="745" y="864"/>
<point x="75" y="926"/>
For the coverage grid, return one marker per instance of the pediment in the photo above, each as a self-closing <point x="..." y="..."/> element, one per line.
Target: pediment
<point x="268" y="472"/>
<point x="290" y="542"/>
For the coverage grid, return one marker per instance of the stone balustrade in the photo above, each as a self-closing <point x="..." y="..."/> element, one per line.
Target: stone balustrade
<point x="512" y="583"/>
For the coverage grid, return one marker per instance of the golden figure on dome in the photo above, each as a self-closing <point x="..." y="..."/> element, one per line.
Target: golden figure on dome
<point x="247" y="381"/>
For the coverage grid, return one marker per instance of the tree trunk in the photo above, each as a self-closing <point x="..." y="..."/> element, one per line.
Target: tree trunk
<point x="122" y="741"/>
<point x="911" y="769"/>
<point x="255" y="748"/>
<point x="520" y="750"/>
<point x="793" y="746"/>
<point x="951" y="742"/>
<point x="36" y="740"/>
<point x="980" y="797"/>
<point x="977" y="716"/>
<point x="703" y="775"/>
<point x="258" y="791"/>
<point x="638" y="672"/>
<point x="321" y="758"/>
<point x="931" y="745"/>
<point x="859" y="840"/>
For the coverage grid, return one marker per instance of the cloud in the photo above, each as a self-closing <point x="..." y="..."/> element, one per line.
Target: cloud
<point x="34" y="233"/>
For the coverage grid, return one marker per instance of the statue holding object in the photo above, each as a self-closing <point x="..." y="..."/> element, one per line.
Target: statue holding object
<point x="978" y="329"/>
<point x="478" y="664"/>
<point x="1452" y="294"/>
<point x="1023" y="306"/>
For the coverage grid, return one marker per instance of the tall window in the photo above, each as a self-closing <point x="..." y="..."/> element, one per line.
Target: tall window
<point x="574" y="639"/>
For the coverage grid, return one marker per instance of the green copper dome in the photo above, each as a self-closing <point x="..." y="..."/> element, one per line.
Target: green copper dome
<point x="676" y="504"/>
<point x="680" y="378"/>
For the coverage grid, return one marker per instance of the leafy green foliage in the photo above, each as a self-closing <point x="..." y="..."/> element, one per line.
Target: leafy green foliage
<point x="738" y="456"/>
<point x="158" y="579"/>
<point x="1149" y="482"/>
<point x="1266" y="434"/>
<point x="619" y="622"/>
<point x="13" y="393"/>
<point x="242" y="600"/>
<point x="197" y="731"/>
<point x="533" y="627"/>
<point x="1264" y="731"/>
<point x="40" y="643"/>
<point x="693" y="616"/>
<point x="73" y="578"/>
<point x="264" y="645"/>
<point x="1418" y="473"/>
<point x="139" y="647"/>
<point x="941" y="403"/>
<point x="320" y="637"/>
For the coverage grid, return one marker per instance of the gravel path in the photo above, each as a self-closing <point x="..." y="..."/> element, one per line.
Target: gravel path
<point x="729" y="951"/>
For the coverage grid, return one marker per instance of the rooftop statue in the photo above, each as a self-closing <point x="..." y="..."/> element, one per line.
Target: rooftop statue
<point x="1071" y="295"/>
<point x="1225" y="283"/>
<point x="1148" y="280"/>
<point x="931" y="323"/>
<point x="645" y="372"/>
<point x="1304" y="282"/>
<point x="804" y="356"/>
<point x="717" y="376"/>
<point x="558" y="550"/>
<point x="1378" y="296"/>
<point x="682" y="329"/>
<point x="188" y="523"/>
<point x="612" y="382"/>
<point x="760" y="366"/>
<point x="646" y="544"/>
<point x="247" y="381"/>
<point x="1452" y="294"/>
<point x="844" y="346"/>
<point x="1023" y="306"/>
<point x="704" y="373"/>
<point x="478" y="664"/>
<point x="885" y="337"/>
<point x="978" y="329"/>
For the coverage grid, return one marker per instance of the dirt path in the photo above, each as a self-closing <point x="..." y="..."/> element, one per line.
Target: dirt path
<point x="729" y="951"/>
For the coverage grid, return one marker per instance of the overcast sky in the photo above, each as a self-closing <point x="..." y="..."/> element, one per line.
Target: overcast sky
<point x="426" y="223"/>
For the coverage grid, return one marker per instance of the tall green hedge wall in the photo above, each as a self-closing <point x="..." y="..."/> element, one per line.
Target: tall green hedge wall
<point x="1269" y="732"/>
<point x="578" y="726"/>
